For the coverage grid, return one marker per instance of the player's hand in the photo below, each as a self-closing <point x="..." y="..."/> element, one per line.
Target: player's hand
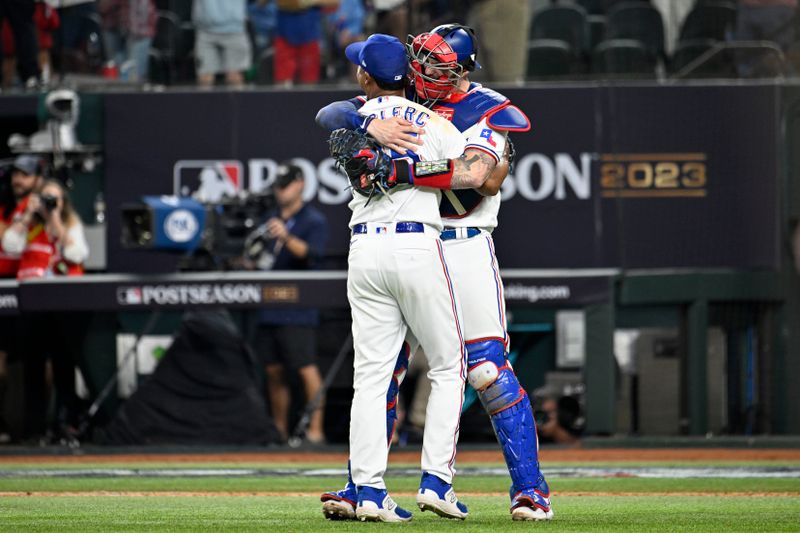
<point x="34" y="204"/>
<point x="397" y="134"/>
<point x="277" y="229"/>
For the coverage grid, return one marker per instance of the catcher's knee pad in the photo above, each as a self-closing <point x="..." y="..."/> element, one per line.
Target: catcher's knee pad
<point x="400" y="369"/>
<point x="491" y="377"/>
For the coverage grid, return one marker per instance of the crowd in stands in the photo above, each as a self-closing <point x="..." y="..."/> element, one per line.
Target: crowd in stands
<point x="292" y="42"/>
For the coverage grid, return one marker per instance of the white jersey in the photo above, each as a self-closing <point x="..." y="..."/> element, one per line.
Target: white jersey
<point x="441" y="140"/>
<point x="480" y="137"/>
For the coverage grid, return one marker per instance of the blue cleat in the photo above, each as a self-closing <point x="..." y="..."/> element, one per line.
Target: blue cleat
<point x="375" y="505"/>
<point x="437" y="496"/>
<point x="340" y="504"/>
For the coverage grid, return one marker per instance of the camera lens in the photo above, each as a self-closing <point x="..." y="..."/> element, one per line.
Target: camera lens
<point x="49" y="202"/>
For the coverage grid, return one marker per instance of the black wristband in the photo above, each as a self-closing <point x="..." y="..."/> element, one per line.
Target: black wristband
<point x="402" y="171"/>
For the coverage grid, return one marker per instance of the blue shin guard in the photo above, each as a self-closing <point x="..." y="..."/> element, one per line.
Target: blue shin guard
<point x="400" y="369"/>
<point x="510" y="411"/>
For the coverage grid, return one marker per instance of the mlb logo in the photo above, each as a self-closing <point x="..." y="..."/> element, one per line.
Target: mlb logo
<point x="129" y="295"/>
<point x="381" y="229"/>
<point x="208" y="180"/>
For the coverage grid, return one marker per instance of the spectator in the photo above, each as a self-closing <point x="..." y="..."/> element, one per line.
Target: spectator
<point x="293" y="237"/>
<point x="673" y="14"/>
<point x="46" y="21"/>
<point x="49" y="237"/>
<point x="128" y="29"/>
<point x="221" y="42"/>
<point x="77" y="44"/>
<point x="263" y="15"/>
<point x="20" y="17"/>
<point x="391" y="18"/>
<point x="297" y="41"/>
<point x="766" y="20"/>
<point x="345" y="26"/>
<point x="24" y="176"/>
<point x="503" y="26"/>
<point x="557" y="417"/>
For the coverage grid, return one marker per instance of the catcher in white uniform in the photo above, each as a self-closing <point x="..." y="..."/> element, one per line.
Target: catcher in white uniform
<point x="398" y="280"/>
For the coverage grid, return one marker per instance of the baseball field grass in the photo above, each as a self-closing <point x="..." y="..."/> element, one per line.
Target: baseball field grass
<point x="164" y="495"/>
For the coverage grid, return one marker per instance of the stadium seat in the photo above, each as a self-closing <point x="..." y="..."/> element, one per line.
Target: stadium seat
<point x="709" y="20"/>
<point x="793" y="58"/>
<point x="687" y="51"/>
<point x="563" y="22"/>
<point x="597" y="30"/>
<point x="739" y="59"/>
<point x="593" y="7"/>
<point x="623" y="58"/>
<point x="639" y="21"/>
<point x="549" y="58"/>
<point x="757" y="59"/>
<point x="608" y="5"/>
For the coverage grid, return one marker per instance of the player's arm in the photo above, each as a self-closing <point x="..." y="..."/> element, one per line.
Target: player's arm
<point x="482" y="153"/>
<point x="395" y="133"/>
<point x="342" y="114"/>
<point x="492" y="185"/>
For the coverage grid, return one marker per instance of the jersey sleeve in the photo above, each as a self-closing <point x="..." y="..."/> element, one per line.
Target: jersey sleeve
<point x="483" y="137"/>
<point x="451" y="141"/>
<point x="342" y="114"/>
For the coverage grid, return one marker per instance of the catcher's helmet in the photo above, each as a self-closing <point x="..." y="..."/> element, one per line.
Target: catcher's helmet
<point x="440" y="57"/>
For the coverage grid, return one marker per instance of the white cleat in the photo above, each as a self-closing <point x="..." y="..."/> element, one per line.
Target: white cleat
<point x="531" y="513"/>
<point x="375" y="505"/>
<point x="439" y="497"/>
<point x="338" y="510"/>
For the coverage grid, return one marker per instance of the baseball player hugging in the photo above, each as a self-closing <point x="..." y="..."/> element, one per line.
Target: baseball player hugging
<point x="441" y="61"/>
<point x="398" y="280"/>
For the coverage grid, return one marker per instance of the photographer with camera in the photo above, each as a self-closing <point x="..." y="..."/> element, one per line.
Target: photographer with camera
<point x="558" y="417"/>
<point x="48" y="235"/>
<point x="49" y="238"/>
<point x="293" y="237"/>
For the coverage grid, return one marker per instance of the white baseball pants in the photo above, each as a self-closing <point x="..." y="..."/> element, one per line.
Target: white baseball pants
<point x="397" y="282"/>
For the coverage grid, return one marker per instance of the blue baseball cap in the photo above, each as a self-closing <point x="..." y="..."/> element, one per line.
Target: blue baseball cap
<point x="382" y="56"/>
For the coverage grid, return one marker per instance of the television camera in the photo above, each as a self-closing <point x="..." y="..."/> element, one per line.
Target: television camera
<point x="212" y="235"/>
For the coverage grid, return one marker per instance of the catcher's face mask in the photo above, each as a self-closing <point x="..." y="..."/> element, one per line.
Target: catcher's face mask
<point x="440" y="58"/>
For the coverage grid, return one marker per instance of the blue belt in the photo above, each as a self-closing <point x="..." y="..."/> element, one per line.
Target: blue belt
<point x="453" y="233"/>
<point x="399" y="227"/>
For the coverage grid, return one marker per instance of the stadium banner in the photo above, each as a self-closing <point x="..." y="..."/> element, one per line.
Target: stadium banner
<point x="631" y="177"/>
<point x="9" y="302"/>
<point x="281" y="290"/>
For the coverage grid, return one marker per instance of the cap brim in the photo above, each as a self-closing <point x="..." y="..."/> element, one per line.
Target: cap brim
<point x="353" y="51"/>
<point x="25" y="169"/>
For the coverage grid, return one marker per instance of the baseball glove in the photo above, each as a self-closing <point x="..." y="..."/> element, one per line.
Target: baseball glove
<point x="510" y="154"/>
<point x="367" y="166"/>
